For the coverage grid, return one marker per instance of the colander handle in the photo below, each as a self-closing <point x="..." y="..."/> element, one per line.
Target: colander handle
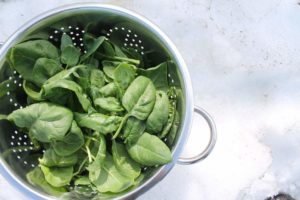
<point x="213" y="137"/>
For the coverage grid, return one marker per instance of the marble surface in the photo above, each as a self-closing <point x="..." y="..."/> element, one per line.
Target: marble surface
<point x="244" y="61"/>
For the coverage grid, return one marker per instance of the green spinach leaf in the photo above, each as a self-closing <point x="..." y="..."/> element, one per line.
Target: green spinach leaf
<point x="43" y="69"/>
<point x="158" y="75"/>
<point x="110" y="179"/>
<point x="52" y="159"/>
<point x="149" y="150"/>
<point x="66" y="40"/>
<point x="126" y="166"/>
<point x="44" y="121"/>
<point x="124" y="74"/>
<point x="108" y="90"/>
<point x="70" y="55"/>
<point x="57" y="176"/>
<point x="99" y="122"/>
<point x="173" y="132"/>
<point x="49" y="90"/>
<point x="71" y="143"/>
<point x="139" y="98"/>
<point x="133" y="129"/>
<point x="23" y="56"/>
<point x="94" y="168"/>
<point x="37" y="179"/>
<point x="159" y="115"/>
<point x="109" y="104"/>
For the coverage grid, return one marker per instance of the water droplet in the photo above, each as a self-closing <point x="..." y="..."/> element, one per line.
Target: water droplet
<point x="18" y="157"/>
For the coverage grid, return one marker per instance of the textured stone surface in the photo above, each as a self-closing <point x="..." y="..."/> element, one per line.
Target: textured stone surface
<point x="244" y="60"/>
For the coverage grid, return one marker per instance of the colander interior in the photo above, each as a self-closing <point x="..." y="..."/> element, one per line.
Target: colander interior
<point x="15" y="147"/>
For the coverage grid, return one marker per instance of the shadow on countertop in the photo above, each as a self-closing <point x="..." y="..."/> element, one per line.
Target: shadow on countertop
<point x="281" y="196"/>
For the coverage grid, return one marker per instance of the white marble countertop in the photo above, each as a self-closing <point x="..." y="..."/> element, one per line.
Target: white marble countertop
<point x="244" y="61"/>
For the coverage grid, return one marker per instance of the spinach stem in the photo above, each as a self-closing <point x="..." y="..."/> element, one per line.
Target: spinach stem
<point x="120" y="126"/>
<point x="80" y="167"/>
<point x="134" y="61"/>
<point x="3" y="117"/>
<point x="89" y="154"/>
<point x="91" y="138"/>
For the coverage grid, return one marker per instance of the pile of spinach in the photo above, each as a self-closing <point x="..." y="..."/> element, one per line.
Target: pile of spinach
<point x="99" y="117"/>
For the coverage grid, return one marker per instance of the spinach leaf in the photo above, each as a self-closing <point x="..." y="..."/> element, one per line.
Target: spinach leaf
<point x="109" y="104"/>
<point x="124" y="74"/>
<point x="99" y="122"/>
<point x="126" y="166"/>
<point x="70" y="55"/>
<point x="173" y="132"/>
<point x="37" y="179"/>
<point x="159" y="115"/>
<point x="57" y="176"/>
<point x="94" y="168"/>
<point x="82" y="181"/>
<point x="43" y="69"/>
<point x="110" y="179"/>
<point x="91" y="80"/>
<point x="23" y="56"/>
<point x="4" y="89"/>
<point x="91" y="45"/>
<point x="66" y="40"/>
<point x="109" y="67"/>
<point x="108" y="90"/>
<point x="52" y="159"/>
<point x="49" y="90"/>
<point x="71" y="143"/>
<point x="158" y="75"/>
<point x="172" y="110"/>
<point x="149" y="150"/>
<point x="133" y="129"/>
<point x="139" y="98"/>
<point x="44" y="121"/>
<point x="31" y="92"/>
